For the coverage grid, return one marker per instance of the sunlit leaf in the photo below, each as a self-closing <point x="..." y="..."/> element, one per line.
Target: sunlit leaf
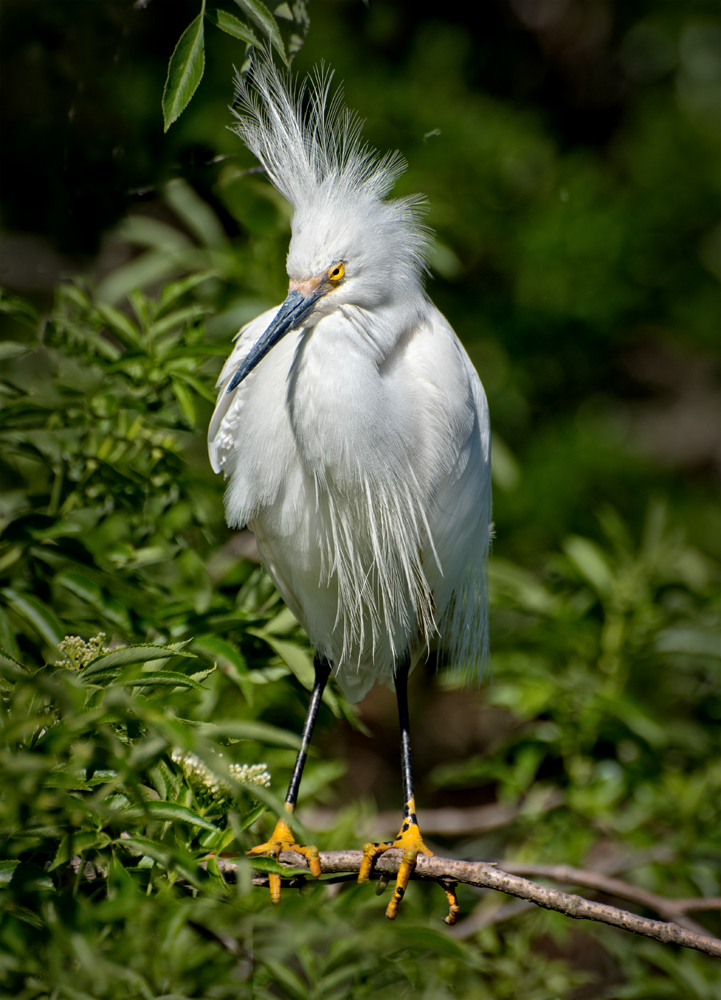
<point x="252" y="817"/>
<point x="257" y="732"/>
<point x="296" y="658"/>
<point x="229" y="660"/>
<point x="119" y="323"/>
<point x="232" y="26"/>
<point x="140" y="653"/>
<point x="176" y="290"/>
<point x="167" y="810"/>
<point x="7" y="870"/>
<point x="259" y="13"/>
<point x="185" y="71"/>
<point x="270" y="865"/>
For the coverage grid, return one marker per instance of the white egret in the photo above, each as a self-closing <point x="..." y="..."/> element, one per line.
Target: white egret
<point x="354" y="429"/>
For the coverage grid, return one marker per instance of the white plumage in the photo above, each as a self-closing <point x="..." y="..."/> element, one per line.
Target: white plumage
<point x="358" y="445"/>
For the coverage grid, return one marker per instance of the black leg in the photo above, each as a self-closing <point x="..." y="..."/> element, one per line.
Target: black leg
<point x="409" y="814"/>
<point x="282" y="838"/>
<point x="322" y="673"/>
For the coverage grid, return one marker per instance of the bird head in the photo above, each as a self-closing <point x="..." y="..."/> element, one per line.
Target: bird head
<point x="350" y="245"/>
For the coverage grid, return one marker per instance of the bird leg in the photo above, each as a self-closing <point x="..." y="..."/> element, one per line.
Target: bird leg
<point x="409" y="838"/>
<point x="282" y="838"/>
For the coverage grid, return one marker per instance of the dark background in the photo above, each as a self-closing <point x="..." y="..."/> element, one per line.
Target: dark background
<point x="574" y="180"/>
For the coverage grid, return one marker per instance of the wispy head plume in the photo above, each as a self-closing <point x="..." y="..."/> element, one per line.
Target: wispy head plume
<point x="307" y="139"/>
<point x="310" y="145"/>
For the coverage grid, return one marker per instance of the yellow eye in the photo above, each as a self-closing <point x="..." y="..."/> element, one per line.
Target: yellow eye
<point x="337" y="271"/>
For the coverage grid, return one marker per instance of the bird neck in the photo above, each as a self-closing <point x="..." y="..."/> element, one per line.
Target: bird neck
<point x="343" y="409"/>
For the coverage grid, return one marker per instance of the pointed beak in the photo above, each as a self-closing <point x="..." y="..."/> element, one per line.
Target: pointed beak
<point x="297" y="307"/>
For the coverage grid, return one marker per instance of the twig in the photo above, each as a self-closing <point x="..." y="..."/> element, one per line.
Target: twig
<point x="490" y="876"/>
<point x="669" y="909"/>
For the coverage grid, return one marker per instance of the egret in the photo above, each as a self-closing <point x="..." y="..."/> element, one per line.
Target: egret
<point x="354" y="431"/>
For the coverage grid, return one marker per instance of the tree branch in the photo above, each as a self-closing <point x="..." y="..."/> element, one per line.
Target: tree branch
<point x="669" y="909"/>
<point x="491" y="876"/>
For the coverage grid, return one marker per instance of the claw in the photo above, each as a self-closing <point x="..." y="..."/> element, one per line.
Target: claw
<point x="453" y="907"/>
<point x="282" y="839"/>
<point x="409" y="841"/>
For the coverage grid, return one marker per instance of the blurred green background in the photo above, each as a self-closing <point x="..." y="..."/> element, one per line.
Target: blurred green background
<point x="569" y="150"/>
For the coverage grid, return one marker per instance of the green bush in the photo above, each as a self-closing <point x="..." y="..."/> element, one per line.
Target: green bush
<point x="130" y="751"/>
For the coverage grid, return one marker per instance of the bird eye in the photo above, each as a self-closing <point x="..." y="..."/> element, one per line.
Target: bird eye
<point x="337" y="271"/>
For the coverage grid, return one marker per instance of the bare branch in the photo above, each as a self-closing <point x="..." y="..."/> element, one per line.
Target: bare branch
<point x="669" y="909"/>
<point x="490" y="876"/>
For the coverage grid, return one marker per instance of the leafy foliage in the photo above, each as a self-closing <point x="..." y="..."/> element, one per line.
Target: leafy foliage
<point x="124" y="757"/>
<point x="139" y="647"/>
<point x="187" y="63"/>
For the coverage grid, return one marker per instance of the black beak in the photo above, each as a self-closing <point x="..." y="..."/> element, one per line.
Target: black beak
<point x="290" y="315"/>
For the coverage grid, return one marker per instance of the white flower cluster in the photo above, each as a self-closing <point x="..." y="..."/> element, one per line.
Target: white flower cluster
<point x="196" y="771"/>
<point x="77" y="652"/>
<point x="251" y="774"/>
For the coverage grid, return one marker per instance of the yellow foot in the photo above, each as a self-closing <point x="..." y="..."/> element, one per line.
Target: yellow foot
<point x="409" y="841"/>
<point x="284" y="840"/>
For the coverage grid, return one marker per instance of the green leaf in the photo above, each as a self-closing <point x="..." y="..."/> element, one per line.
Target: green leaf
<point x="427" y="939"/>
<point x="19" y="309"/>
<point x="197" y="214"/>
<point x="251" y="817"/>
<point x="120" y="324"/>
<point x="186" y="401"/>
<point x="271" y="866"/>
<point x="261" y="794"/>
<point x="256" y="732"/>
<point x="259" y="13"/>
<point x="167" y="810"/>
<point x="7" y="870"/>
<point x="185" y="71"/>
<point x="591" y="563"/>
<point x="200" y="387"/>
<point x="695" y="641"/>
<point x="180" y="317"/>
<point x="175" y="291"/>
<point x="512" y="581"/>
<point x="167" y="678"/>
<point x="296" y="658"/>
<point x="229" y="660"/>
<point x="85" y="588"/>
<point x="39" y="615"/>
<point x="164" y="855"/>
<point x="140" y="653"/>
<point x="293" y="986"/>
<point x="15" y="667"/>
<point x="12" y="349"/>
<point x="155" y="265"/>
<point x="78" y="843"/>
<point x="232" y="26"/>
